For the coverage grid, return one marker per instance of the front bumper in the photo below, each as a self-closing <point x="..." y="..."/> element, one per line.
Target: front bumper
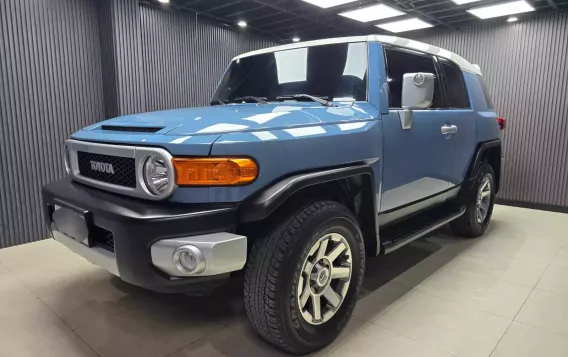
<point x="144" y="233"/>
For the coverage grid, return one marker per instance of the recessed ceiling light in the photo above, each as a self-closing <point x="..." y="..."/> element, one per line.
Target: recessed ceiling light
<point x="461" y="2"/>
<point x="508" y="8"/>
<point x="242" y="23"/>
<point x="328" y="3"/>
<point x="296" y="39"/>
<point x="405" y="25"/>
<point x="372" y="13"/>
<point x="164" y="1"/>
<point x="512" y="19"/>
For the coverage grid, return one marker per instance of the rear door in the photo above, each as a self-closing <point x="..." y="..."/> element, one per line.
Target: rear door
<point x="417" y="161"/>
<point x="460" y="114"/>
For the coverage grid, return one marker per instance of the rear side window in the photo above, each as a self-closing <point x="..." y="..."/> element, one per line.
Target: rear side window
<point x="456" y="90"/>
<point x="486" y="92"/>
<point x="401" y="62"/>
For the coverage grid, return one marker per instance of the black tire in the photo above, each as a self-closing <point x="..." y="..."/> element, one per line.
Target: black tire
<point x="273" y="272"/>
<point x="468" y="225"/>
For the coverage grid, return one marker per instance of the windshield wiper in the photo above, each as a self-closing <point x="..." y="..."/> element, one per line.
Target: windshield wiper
<point x="217" y="102"/>
<point x="322" y="101"/>
<point x="261" y="100"/>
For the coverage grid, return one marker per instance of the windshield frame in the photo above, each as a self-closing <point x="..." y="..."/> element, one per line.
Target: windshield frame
<point x="216" y="95"/>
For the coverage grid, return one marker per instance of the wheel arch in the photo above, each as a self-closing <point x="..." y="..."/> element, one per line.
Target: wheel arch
<point x="490" y="152"/>
<point x="353" y="186"/>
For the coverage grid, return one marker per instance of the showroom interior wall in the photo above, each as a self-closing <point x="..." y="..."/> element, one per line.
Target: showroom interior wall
<point x="50" y="86"/>
<point x="185" y="55"/>
<point x="66" y="64"/>
<point x="526" y="67"/>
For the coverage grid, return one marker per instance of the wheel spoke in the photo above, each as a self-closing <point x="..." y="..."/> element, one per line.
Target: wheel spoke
<point x="317" y="307"/>
<point x="340" y="272"/>
<point x="484" y="206"/>
<point x="485" y="193"/>
<point x="336" y="252"/>
<point x="308" y="268"/>
<point x="332" y="297"/>
<point x="479" y="216"/>
<point x="306" y="293"/>
<point x="484" y="185"/>
<point x="322" y="249"/>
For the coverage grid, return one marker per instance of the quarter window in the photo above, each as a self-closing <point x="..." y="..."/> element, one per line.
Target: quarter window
<point x="401" y="62"/>
<point x="456" y="91"/>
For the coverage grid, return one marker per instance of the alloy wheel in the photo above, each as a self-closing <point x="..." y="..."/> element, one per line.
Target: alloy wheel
<point x="325" y="278"/>
<point x="483" y="199"/>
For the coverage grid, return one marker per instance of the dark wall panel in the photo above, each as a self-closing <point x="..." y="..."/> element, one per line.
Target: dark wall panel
<point x="50" y="86"/>
<point x="121" y="56"/>
<point x="526" y="67"/>
<point x="185" y="55"/>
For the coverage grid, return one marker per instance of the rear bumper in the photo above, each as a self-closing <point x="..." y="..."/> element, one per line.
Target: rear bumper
<point x="146" y="233"/>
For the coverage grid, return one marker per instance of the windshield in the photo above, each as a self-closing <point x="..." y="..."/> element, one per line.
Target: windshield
<point x="334" y="72"/>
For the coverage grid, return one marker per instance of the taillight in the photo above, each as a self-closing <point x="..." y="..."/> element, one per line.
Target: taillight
<point x="502" y="123"/>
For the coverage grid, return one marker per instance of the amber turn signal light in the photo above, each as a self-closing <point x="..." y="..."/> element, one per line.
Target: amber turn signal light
<point x="215" y="171"/>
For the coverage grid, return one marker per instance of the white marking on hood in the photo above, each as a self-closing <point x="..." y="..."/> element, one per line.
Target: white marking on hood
<point x="309" y="130"/>
<point x="264" y="117"/>
<point x="222" y="127"/>
<point x="264" y="135"/>
<point x="180" y="140"/>
<point x="351" y="126"/>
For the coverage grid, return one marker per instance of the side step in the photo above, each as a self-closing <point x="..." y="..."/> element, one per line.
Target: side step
<point x="401" y="233"/>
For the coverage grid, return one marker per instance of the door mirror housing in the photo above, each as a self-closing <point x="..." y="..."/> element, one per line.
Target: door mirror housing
<point x="417" y="90"/>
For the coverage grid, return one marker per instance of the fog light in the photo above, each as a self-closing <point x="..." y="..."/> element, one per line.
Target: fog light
<point x="189" y="259"/>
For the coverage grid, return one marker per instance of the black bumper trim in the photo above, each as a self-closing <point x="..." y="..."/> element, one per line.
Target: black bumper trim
<point x="136" y="224"/>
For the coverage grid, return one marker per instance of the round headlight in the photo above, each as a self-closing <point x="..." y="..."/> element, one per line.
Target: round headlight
<point x="156" y="175"/>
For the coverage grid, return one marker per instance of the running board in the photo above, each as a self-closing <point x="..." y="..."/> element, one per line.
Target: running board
<point x="401" y="233"/>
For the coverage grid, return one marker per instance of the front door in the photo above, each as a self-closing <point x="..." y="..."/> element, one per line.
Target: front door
<point x="418" y="160"/>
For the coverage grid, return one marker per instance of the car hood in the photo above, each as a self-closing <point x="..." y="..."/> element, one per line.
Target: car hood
<point x="235" y="118"/>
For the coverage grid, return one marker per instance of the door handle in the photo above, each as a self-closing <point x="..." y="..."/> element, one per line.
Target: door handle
<point x="449" y="129"/>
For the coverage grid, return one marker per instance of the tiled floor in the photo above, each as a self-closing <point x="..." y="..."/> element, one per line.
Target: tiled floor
<point x="502" y="295"/>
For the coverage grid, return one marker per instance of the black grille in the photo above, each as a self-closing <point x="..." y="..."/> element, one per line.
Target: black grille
<point x="103" y="238"/>
<point x="110" y="169"/>
<point x="132" y="129"/>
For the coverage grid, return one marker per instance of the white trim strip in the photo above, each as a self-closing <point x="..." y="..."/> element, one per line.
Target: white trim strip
<point x="391" y="40"/>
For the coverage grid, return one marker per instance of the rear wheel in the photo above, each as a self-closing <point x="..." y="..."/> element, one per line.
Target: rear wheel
<point x="302" y="280"/>
<point x="479" y="204"/>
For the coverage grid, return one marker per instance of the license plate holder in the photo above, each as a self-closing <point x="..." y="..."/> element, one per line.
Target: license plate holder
<point x="74" y="224"/>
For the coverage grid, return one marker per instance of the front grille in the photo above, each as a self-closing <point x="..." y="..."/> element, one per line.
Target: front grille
<point x="115" y="170"/>
<point x="103" y="238"/>
<point x="132" y="129"/>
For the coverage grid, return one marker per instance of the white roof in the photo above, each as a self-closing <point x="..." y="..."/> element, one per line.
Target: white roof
<point x="396" y="41"/>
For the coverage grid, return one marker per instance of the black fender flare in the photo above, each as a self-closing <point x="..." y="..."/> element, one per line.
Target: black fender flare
<point x="263" y="203"/>
<point x="481" y="155"/>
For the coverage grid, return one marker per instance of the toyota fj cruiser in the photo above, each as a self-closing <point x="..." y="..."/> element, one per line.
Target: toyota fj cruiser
<point x="310" y="157"/>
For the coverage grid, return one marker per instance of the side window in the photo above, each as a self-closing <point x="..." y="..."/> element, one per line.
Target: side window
<point x="401" y="62"/>
<point x="456" y="90"/>
<point x="486" y="92"/>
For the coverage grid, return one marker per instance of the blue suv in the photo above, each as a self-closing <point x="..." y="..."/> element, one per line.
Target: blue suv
<point x="310" y="158"/>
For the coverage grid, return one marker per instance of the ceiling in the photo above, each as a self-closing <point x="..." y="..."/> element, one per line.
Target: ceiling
<point x="285" y="19"/>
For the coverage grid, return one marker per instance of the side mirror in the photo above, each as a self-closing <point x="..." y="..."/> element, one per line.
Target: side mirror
<point x="417" y="93"/>
<point x="417" y="90"/>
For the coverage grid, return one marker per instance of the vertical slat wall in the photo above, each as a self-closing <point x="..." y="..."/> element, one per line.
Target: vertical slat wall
<point x="121" y="55"/>
<point x="526" y="67"/>
<point x="50" y="86"/>
<point x="185" y="55"/>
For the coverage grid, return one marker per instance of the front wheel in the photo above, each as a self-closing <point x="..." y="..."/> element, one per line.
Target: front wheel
<point x="478" y="203"/>
<point x="302" y="280"/>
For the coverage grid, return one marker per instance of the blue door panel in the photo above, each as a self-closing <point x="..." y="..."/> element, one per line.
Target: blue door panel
<point x="417" y="161"/>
